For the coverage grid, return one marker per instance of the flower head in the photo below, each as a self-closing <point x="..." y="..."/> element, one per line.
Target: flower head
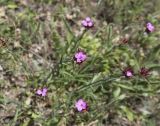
<point x="124" y="40"/>
<point x="149" y="27"/>
<point x="128" y="72"/>
<point x="87" y="23"/>
<point x="144" y="72"/>
<point x="81" y="105"/>
<point x="42" y="92"/>
<point x="80" y="57"/>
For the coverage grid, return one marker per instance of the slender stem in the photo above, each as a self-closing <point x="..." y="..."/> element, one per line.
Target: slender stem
<point x="77" y="41"/>
<point x="93" y="83"/>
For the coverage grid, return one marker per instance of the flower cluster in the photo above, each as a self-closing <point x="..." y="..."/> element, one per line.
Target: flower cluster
<point x="144" y="72"/>
<point x="87" y="23"/>
<point x="81" y="105"/>
<point x="149" y="27"/>
<point x="80" y="57"/>
<point x="42" y="92"/>
<point x="128" y="72"/>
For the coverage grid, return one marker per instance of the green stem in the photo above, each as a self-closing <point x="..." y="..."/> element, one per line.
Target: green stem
<point x="77" y="41"/>
<point x="93" y="83"/>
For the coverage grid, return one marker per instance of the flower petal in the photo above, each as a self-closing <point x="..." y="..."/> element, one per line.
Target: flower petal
<point x="90" y="24"/>
<point x="84" y="23"/>
<point x="39" y="92"/>
<point x="88" y="19"/>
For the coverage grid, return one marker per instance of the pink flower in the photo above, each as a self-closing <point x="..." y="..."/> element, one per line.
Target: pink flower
<point x="80" y="57"/>
<point x="87" y="23"/>
<point x="144" y="72"/>
<point x="81" y="105"/>
<point x="149" y="27"/>
<point x="42" y="92"/>
<point x="128" y="72"/>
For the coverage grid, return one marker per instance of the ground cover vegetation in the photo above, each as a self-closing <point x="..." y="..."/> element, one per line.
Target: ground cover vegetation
<point x="79" y="63"/>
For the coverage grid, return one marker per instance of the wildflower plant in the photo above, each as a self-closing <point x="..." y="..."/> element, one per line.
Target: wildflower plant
<point x="114" y="96"/>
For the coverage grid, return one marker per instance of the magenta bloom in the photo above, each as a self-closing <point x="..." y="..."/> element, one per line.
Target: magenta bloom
<point x="80" y="57"/>
<point x="87" y="23"/>
<point x="144" y="72"/>
<point x="81" y="105"/>
<point x="149" y="27"/>
<point x="42" y="92"/>
<point x="128" y="72"/>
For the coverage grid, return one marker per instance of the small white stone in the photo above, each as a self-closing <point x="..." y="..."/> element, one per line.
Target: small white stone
<point x="1" y="69"/>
